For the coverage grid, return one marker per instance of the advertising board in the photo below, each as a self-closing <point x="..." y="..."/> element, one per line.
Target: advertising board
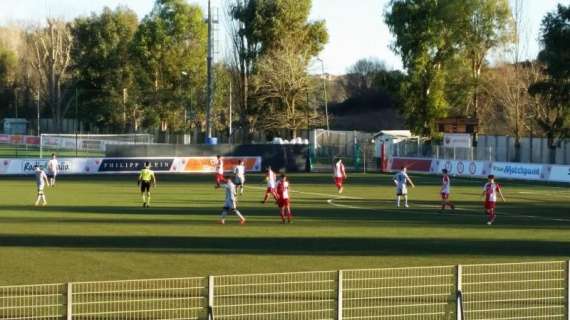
<point x="22" y="166"/>
<point x="464" y="168"/>
<point x="558" y="173"/>
<point x="512" y="170"/>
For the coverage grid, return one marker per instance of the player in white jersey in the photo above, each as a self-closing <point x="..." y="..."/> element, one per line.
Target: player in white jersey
<point x="271" y="185"/>
<point x="219" y="171"/>
<point x="445" y="191"/>
<point x="339" y="175"/>
<point x="239" y="173"/>
<point x="41" y="182"/>
<point x="230" y="203"/>
<point x="52" y="169"/>
<point x="401" y="179"/>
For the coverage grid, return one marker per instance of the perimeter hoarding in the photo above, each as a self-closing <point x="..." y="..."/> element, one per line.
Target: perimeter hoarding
<point x="558" y="173"/>
<point x="460" y="168"/>
<point x="524" y="171"/>
<point x="66" y="165"/>
<point x="412" y="164"/>
<point x="128" y="165"/>
<point x="481" y="169"/>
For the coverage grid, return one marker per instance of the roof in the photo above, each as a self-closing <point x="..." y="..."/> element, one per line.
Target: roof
<point x="394" y="133"/>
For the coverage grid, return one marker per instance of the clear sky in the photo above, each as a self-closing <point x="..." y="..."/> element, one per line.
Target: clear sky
<point x="356" y="27"/>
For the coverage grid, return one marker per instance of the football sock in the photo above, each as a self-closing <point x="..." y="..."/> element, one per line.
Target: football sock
<point x="239" y="215"/>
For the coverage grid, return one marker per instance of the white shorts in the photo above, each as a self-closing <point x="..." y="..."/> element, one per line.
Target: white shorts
<point x="402" y="190"/>
<point x="41" y="188"/>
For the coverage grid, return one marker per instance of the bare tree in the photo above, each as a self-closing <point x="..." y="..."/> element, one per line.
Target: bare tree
<point x="360" y="76"/>
<point x="282" y="85"/>
<point x="51" y="47"/>
<point x="507" y="85"/>
<point x="242" y="57"/>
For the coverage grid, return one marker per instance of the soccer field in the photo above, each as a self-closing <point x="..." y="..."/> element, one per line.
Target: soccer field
<point x="94" y="228"/>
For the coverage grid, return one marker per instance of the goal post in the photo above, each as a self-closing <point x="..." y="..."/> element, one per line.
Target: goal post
<point x="86" y="143"/>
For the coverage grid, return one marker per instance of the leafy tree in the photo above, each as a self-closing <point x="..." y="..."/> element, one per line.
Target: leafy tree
<point x="441" y="42"/>
<point x="170" y="50"/>
<point x="263" y="27"/>
<point x="8" y="63"/>
<point x="102" y="65"/>
<point x="488" y="24"/>
<point x="427" y="38"/>
<point x="554" y="90"/>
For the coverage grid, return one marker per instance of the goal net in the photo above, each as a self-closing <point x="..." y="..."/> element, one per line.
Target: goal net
<point x="87" y="144"/>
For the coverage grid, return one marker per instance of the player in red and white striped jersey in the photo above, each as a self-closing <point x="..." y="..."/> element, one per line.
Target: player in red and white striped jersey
<point x="339" y="175"/>
<point x="219" y="171"/>
<point x="490" y="191"/>
<point x="284" y="199"/>
<point x="445" y="191"/>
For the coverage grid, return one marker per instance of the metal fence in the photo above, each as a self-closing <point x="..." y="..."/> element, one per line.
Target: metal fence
<point x="491" y="148"/>
<point x="355" y="148"/>
<point x="535" y="290"/>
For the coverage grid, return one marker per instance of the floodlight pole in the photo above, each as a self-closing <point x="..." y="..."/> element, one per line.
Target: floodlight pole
<point x="210" y="75"/>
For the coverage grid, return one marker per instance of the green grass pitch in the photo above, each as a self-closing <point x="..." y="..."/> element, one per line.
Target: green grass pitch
<point x="94" y="228"/>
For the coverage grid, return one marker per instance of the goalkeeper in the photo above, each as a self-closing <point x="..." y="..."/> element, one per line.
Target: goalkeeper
<point x="146" y="179"/>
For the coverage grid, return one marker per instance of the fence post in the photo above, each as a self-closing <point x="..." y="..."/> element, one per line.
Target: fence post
<point x="210" y="297"/>
<point x="69" y="302"/>
<point x="567" y="302"/>
<point x="339" y="296"/>
<point x="458" y="294"/>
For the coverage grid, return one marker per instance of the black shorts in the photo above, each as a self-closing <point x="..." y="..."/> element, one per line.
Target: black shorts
<point x="51" y="176"/>
<point x="145" y="186"/>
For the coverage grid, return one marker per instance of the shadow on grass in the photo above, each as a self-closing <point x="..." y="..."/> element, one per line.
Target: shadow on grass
<point x="293" y="245"/>
<point x="422" y="213"/>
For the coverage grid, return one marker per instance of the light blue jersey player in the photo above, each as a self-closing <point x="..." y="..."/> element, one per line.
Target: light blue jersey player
<point x="401" y="179"/>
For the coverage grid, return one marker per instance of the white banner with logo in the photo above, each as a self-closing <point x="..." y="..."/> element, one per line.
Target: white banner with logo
<point x="558" y="173"/>
<point x="457" y="140"/>
<point x="464" y="168"/>
<point x="526" y="171"/>
<point x="65" y="165"/>
<point x="19" y="166"/>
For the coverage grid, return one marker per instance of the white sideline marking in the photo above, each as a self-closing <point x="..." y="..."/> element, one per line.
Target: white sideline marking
<point x="331" y="201"/>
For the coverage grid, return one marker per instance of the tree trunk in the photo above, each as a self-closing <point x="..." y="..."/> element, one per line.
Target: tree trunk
<point x="551" y="147"/>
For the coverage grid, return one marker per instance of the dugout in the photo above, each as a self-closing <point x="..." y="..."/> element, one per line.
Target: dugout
<point x="291" y="158"/>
